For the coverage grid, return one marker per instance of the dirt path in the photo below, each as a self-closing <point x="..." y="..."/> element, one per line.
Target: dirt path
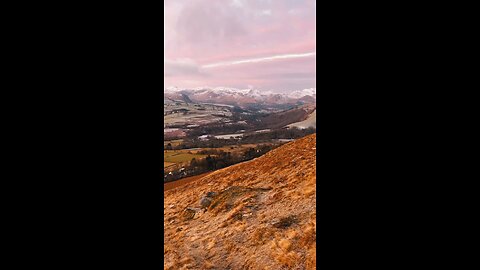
<point x="181" y="182"/>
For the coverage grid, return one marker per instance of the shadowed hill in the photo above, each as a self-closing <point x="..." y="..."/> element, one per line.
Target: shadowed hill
<point x="282" y="119"/>
<point x="258" y="214"/>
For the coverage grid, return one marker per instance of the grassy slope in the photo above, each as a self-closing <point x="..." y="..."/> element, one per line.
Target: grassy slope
<point x="181" y="182"/>
<point x="262" y="218"/>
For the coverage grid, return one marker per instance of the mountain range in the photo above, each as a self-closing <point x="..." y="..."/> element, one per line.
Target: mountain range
<point x="240" y="97"/>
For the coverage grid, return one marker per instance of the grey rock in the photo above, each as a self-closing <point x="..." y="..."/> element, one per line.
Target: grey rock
<point x="205" y="202"/>
<point x="211" y="194"/>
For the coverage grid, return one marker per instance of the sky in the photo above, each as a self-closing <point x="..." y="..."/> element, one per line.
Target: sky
<point x="262" y="44"/>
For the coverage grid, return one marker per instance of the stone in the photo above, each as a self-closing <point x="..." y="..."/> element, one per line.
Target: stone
<point x="205" y="202"/>
<point x="211" y="194"/>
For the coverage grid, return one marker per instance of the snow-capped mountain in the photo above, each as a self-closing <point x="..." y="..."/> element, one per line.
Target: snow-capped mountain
<point x="233" y="96"/>
<point x="305" y="92"/>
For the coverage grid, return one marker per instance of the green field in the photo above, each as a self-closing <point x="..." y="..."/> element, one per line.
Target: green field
<point x="180" y="157"/>
<point x="173" y="143"/>
<point x="167" y="164"/>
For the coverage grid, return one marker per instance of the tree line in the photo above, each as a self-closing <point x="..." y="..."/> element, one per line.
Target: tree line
<point x="217" y="160"/>
<point x="248" y="138"/>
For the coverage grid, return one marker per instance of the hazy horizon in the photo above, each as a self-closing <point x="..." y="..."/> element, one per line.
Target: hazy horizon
<point x="265" y="45"/>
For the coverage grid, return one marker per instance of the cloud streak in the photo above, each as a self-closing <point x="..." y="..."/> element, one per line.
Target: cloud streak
<point x="263" y="59"/>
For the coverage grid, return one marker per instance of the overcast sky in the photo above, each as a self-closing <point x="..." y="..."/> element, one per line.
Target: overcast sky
<point x="265" y="44"/>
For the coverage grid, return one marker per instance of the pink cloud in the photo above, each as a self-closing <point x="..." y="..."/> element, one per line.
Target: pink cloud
<point x="199" y="33"/>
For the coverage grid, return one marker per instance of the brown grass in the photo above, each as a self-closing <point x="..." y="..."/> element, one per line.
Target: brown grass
<point x="181" y="182"/>
<point x="262" y="217"/>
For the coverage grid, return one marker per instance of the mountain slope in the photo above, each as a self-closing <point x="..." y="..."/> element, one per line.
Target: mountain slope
<point x="285" y="118"/>
<point x="254" y="215"/>
<point x="311" y="121"/>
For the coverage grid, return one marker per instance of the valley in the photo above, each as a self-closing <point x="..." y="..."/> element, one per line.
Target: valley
<point x="202" y="137"/>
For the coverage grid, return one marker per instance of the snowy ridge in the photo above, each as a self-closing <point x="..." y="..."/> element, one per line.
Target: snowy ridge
<point x="233" y="95"/>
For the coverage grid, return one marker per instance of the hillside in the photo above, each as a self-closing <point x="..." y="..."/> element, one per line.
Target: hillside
<point x="254" y="215"/>
<point x="284" y="118"/>
<point x="311" y="121"/>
